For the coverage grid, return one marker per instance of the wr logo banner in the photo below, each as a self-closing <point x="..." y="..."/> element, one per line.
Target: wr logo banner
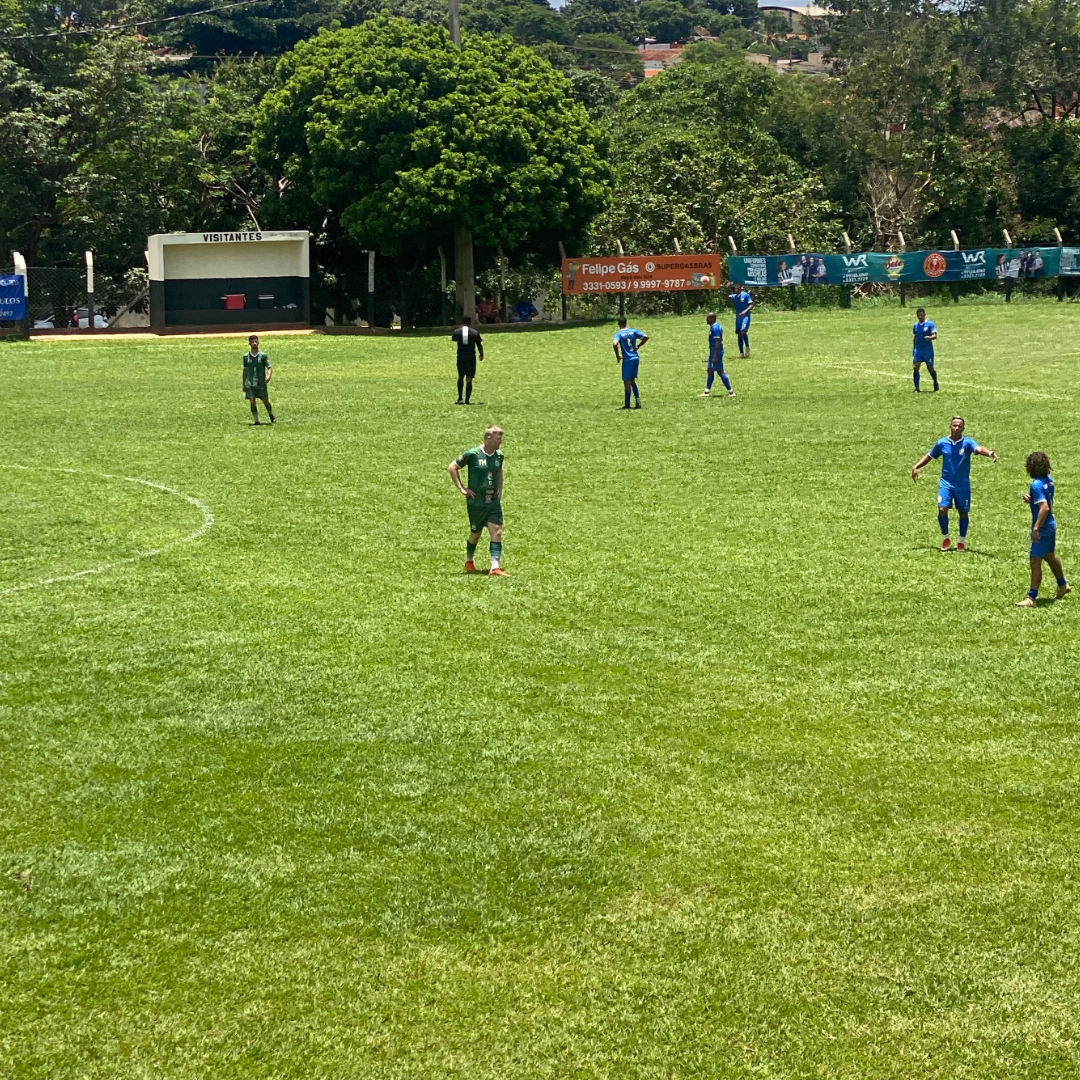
<point x="852" y="261"/>
<point x="972" y="257"/>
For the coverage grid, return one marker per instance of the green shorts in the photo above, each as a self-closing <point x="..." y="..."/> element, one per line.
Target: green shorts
<point x="481" y="514"/>
<point x="257" y="395"/>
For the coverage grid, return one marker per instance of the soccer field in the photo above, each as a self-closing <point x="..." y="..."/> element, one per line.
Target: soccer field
<point x="736" y="775"/>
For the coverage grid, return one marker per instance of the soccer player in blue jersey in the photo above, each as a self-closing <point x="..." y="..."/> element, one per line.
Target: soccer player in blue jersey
<point x="626" y="343"/>
<point x="954" y="487"/>
<point x="923" y="353"/>
<point x="716" y="357"/>
<point x="743" y="302"/>
<point x="1040" y="497"/>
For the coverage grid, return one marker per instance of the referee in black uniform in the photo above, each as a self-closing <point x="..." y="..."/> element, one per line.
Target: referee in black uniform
<point x="469" y="343"/>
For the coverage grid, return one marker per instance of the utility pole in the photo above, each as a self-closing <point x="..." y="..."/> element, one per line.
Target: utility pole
<point x="455" y="23"/>
<point x="464" y="272"/>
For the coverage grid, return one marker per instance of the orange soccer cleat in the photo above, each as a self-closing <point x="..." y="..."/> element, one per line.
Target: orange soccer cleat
<point x="497" y="571"/>
<point x="470" y="568"/>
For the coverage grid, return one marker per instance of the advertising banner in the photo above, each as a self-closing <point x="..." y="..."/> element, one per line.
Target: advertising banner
<point x="977" y="264"/>
<point x="1070" y="262"/>
<point x="12" y="298"/>
<point x="640" y="273"/>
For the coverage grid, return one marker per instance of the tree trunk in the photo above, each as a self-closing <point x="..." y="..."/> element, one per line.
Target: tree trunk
<point x="464" y="278"/>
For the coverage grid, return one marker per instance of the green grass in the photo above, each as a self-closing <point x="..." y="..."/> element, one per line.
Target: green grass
<point x="737" y="776"/>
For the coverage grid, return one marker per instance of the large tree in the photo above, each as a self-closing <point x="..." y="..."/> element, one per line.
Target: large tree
<point x="401" y="141"/>
<point x="703" y="169"/>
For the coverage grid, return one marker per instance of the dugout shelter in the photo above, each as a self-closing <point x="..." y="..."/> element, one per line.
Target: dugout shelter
<point x="229" y="280"/>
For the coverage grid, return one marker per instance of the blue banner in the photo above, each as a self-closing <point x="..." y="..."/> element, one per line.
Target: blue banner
<point x="12" y="298"/>
<point x="976" y="264"/>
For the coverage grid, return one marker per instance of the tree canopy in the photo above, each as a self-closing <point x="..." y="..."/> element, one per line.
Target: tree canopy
<point x="401" y="137"/>
<point x="696" y="167"/>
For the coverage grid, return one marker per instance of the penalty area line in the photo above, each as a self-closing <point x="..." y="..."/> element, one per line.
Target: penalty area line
<point x="207" y="523"/>
<point x="965" y="385"/>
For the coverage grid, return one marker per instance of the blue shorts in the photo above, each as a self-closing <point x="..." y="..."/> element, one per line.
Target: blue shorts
<point x="629" y="369"/>
<point x="717" y="363"/>
<point x="1045" y="545"/>
<point x="950" y="496"/>
<point x="742" y="324"/>
<point x="920" y="356"/>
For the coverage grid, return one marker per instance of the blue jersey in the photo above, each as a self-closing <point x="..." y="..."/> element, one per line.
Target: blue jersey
<point x="955" y="459"/>
<point x="924" y="346"/>
<point x="742" y="302"/>
<point x="627" y="341"/>
<point x="716" y="341"/>
<point x="1042" y="491"/>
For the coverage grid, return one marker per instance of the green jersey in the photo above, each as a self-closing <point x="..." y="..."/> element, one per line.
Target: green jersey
<point x="255" y="370"/>
<point x="484" y="472"/>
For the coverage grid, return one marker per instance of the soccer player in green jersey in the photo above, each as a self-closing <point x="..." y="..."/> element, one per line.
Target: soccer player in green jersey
<point x="256" y="378"/>
<point x="483" y="497"/>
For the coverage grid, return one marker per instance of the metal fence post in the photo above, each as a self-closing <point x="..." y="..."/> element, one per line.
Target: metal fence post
<point x="89" y="290"/>
<point x="903" y="287"/>
<point x="622" y="296"/>
<point x="20" y="269"/>
<point x="1008" y="280"/>
<point x="791" y="251"/>
<point x="371" y="288"/>
<point x="955" y="285"/>
<point x="442" y="286"/>
<point x="1060" y="280"/>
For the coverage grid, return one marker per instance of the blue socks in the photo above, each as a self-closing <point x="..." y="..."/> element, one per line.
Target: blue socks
<point x="1061" y="582"/>
<point x="1033" y="593"/>
<point x="709" y="382"/>
<point x="916" y="376"/>
<point x="637" y="396"/>
<point x="626" y="401"/>
<point x="963" y="525"/>
<point x="743" y="340"/>
<point x="726" y="380"/>
<point x="943" y="522"/>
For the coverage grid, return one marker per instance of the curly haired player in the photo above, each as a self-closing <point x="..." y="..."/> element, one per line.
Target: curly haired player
<point x="1040" y="497"/>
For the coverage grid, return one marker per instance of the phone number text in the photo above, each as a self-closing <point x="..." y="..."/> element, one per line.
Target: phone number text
<point x="640" y="285"/>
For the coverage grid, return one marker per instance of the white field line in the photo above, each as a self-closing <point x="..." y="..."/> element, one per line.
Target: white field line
<point x="965" y="385"/>
<point x="207" y="513"/>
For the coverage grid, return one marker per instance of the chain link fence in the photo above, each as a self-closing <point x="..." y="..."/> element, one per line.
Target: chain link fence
<point x="57" y="298"/>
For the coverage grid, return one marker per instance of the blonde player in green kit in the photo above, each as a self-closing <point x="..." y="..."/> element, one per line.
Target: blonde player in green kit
<point x="483" y="497"/>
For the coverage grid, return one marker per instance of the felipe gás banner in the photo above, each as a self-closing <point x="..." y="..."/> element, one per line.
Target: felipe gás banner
<point x="641" y="273"/>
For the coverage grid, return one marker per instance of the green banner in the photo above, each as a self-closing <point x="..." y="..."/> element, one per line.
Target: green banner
<point x="975" y="264"/>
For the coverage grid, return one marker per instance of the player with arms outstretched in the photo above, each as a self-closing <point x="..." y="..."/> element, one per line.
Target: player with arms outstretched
<point x="954" y="487"/>
<point x="743" y="302"/>
<point x="925" y="333"/>
<point x="483" y="497"/>
<point x="626" y="343"/>
<point x="255" y="381"/>
<point x="1040" y="497"/>
<point x="716" y="356"/>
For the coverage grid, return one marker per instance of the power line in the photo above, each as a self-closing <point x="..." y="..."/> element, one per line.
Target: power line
<point x="126" y="26"/>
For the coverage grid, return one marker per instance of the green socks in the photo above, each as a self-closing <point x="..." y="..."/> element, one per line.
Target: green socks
<point x="496" y="554"/>
<point x="470" y="551"/>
